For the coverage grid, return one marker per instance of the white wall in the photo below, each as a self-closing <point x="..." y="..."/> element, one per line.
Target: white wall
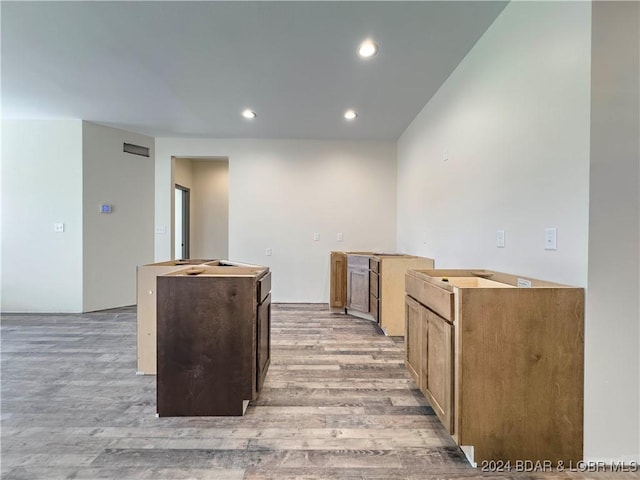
<point x="41" y="185"/>
<point x="281" y="192"/>
<point x="114" y="244"/>
<point x="514" y="119"/>
<point x="183" y="172"/>
<point x="612" y="387"/>
<point x="210" y="220"/>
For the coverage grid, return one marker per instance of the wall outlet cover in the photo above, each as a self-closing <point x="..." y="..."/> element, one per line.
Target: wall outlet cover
<point x="550" y="238"/>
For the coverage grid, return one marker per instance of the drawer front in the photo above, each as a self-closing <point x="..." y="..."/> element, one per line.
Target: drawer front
<point x="358" y="261"/>
<point x="374" y="307"/>
<point x="264" y="287"/>
<point x="374" y="284"/>
<point x="437" y="299"/>
<point x="374" y="265"/>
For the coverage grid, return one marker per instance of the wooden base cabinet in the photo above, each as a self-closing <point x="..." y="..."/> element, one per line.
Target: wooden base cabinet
<point x="500" y="359"/>
<point x="146" y="308"/>
<point x="429" y="358"/>
<point x="213" y="340"/>
<point x="387" y="278"/>
<point x="372" y="284"/>
<point x="338" y="282"/>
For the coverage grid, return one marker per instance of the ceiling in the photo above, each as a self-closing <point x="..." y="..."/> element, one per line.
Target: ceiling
<point x="190" y="68"/>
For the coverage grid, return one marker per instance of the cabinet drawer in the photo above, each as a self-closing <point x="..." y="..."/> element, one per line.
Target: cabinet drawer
<point x="374" y="284"/>
<point x="264" y="287"/>
<point x="437" y="299"/>
<point x="374" y="265"/>
<point x="374" y="307"/>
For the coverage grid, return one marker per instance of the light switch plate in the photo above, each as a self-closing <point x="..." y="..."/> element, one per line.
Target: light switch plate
<point x="340" y="237"/>
<point x="268" y="252"/>
<point x="550" y="239"/>
<point x="500" y="238"/>
<point x="316" y="237"/>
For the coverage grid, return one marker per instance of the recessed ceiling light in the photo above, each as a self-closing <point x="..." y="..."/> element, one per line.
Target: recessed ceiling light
<point x="367" y="49"/>
<point x="350" y="114"/>
<point x="249" y="113"/>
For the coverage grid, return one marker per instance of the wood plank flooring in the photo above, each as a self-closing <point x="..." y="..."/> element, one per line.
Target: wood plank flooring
<point x="337" y="403"/>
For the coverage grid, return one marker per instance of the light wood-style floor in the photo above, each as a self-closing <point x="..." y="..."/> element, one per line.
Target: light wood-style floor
<point x="337" y="404"/>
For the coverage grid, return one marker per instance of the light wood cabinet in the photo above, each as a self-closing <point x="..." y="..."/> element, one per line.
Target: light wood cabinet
<point x="500" y="359"/>
<point x="374" y="286"/>
<point x="338" y="282"/>
<point x="390" y="270"/>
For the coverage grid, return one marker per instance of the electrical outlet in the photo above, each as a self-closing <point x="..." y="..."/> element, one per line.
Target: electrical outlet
<point x="316" y="237"/>
<point x="340" y="237"/>
<point x="268" y="252"/>
<point x="500" y="238"/>
<point x="58" y="227"/>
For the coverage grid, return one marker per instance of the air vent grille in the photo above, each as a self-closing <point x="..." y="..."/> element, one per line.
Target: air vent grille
<point x="135" y="149"/>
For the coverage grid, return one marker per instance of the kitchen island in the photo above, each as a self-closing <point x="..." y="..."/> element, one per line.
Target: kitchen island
<point x="213" y="339"/>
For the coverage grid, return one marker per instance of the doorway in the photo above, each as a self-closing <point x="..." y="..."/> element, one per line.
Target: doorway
<point x="207" y="180"/>
<point x="182" y="220"/>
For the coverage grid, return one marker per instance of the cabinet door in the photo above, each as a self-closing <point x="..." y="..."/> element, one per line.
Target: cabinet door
<point x="263" y="353"/>
<point x="374" y="284"/>
<point x="338" y="282"/>
<point x="374" y="308"/>
<point x="358" y="290"/>
<point x="415" y="340"/>
<point x="439" y="375"/>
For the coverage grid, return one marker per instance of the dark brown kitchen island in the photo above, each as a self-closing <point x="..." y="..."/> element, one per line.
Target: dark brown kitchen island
<point x="213" y="346"/>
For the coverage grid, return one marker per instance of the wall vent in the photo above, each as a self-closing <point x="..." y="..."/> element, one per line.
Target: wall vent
<point x="135" y="149"/>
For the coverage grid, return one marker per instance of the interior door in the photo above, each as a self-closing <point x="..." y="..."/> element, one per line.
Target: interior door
<point x="182" y="220"/>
